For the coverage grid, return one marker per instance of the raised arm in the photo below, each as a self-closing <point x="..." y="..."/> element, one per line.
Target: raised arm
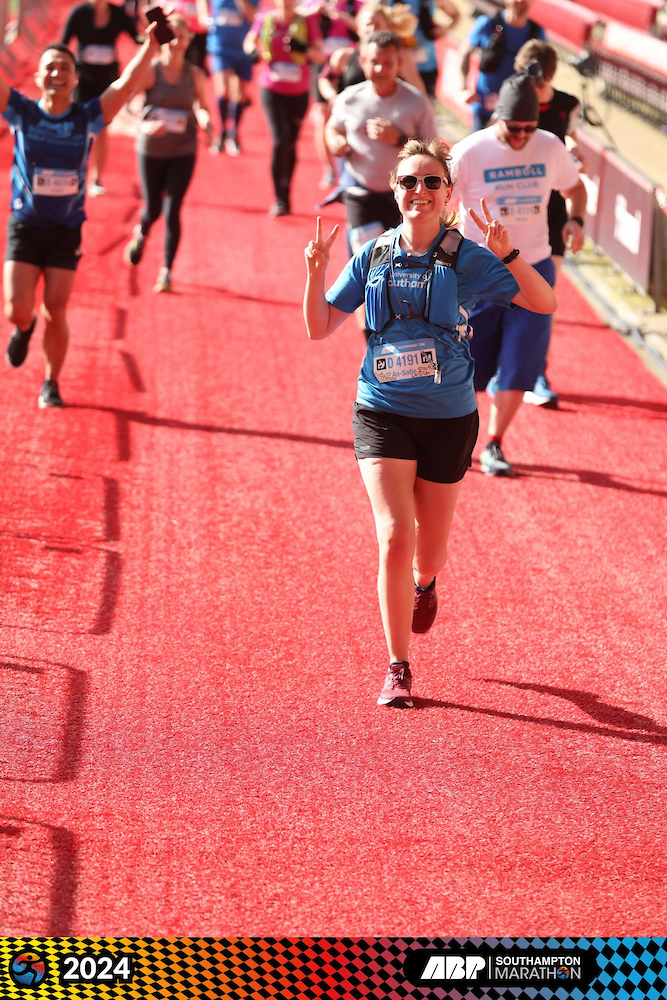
<point x="321" y="317"/>
<point x="534" y="292"/>
<point x="120" y="91"/>
<point x="4" y="95"/>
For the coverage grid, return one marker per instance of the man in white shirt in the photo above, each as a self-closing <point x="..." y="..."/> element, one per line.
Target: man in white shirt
<point x="514" y="166"/>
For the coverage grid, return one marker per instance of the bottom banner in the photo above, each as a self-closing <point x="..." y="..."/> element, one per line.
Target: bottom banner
<point x="296" y="968"/>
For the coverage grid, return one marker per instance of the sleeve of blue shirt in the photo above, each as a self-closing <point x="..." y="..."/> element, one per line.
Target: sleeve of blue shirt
<point x="481" y="275"/>
<point x="14" y="106"/>
<point x="94" y="116"/>
<point x="480" y="32"/>
<point x="348" y="290"/>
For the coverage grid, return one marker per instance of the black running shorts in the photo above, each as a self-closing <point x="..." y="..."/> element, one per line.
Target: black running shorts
<point x="94" y="80"/>
<point x="442" y="447"/>
<point x="52" y="246"/>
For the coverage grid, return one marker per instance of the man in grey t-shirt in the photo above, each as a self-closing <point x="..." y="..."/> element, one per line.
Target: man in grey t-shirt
<point x="369" y="123"/>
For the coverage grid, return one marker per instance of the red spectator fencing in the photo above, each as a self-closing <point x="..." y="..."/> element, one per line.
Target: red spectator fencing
<point x="639" y="14"/>
<point x="634" y="67"/>
<point x="569" y="24"/>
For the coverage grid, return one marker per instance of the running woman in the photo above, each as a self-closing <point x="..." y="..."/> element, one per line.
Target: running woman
<point x="415" y="418"/>
<point x="52" y="143"/>
<point x="286" y="42"/>
<point x="231" y="67"/>
<point x="175" y="103"/>
<point x="97" y="25"/>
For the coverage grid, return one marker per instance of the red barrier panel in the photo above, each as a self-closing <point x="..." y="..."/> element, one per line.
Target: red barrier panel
<point x="630" y="46"/>
<point x="640" y="14"/>
<point x="620" y="212"/>
<point x="567" y="23"/>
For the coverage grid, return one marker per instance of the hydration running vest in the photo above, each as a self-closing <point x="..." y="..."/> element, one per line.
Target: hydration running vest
<point x="440" y="281"/>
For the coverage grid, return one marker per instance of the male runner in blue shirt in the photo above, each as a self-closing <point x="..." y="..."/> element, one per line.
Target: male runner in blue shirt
<point x="53" y="138"/>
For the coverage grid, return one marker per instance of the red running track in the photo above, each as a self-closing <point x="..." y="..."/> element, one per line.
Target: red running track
<point x="191" y="644"/>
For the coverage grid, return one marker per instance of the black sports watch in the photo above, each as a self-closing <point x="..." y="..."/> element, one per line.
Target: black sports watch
<point x="402" y="139"/>
<point x="510" y="256"/>
<point x="577" y="218"/>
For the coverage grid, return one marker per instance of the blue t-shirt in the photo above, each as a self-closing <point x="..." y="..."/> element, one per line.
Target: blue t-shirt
<point x="479" y="275"/>
<point x="514" y="38"/>
<point x="228" y="27"/>
<point x="50" y="160"/>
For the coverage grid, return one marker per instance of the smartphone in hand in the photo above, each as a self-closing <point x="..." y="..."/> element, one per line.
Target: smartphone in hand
<point x="163" y="32"/>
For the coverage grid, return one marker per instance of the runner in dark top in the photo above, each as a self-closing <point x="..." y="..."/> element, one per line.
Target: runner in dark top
<point x="174" y="106"/>
<point x="96" y="26"/>
<point x="52" y="142"/>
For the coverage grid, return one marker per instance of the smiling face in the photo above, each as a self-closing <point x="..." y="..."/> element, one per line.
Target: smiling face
<point x="422" y="204"/>
<point x="516" y="140"/>
<point x="56" y="74"/>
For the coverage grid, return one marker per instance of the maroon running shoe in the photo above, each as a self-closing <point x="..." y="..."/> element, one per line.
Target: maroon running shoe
<point x="397" y="686"/>
<point x="426" y="607"/>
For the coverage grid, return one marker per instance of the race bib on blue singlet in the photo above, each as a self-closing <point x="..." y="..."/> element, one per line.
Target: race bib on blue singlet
<point x="396" y="362"/>
<point x="54" y="183"/>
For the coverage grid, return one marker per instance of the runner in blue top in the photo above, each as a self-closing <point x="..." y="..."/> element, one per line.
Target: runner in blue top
<point x="231" y="68"/>
<point x="415" y="418"/>
<point x="52" y="142"/>
<point x="424" y="54"/>
<point x="498" y="40"/>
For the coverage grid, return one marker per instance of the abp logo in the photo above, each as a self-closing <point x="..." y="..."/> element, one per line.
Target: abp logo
<point x="444" y="967"/>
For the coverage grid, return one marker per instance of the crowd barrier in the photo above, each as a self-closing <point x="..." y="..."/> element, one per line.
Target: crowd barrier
<point x="640" y="14"/>
<point x="40" y="22"/>
<point x="627" y="214"/>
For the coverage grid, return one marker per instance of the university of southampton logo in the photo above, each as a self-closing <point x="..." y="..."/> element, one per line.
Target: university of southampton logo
<point x="28" y="968"/>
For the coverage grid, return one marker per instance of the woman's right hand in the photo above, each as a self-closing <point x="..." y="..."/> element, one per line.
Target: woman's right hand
<point x="318" y="251"/>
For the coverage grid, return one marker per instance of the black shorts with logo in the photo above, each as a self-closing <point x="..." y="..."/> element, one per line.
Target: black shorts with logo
<point x="43" y="246"/>
<point x="442" y="447"/>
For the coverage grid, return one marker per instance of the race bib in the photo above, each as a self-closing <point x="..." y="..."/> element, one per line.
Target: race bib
<point x="285" y="72"/>
<point x="395" y="363"/>
<point x="229" y="19"/>
<point x="98" y="55"/>
<point x="55" y="183"/>
<point x="173" y="121"/>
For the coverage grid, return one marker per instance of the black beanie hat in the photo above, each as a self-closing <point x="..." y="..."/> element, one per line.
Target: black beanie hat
<point x="517" y="100"/>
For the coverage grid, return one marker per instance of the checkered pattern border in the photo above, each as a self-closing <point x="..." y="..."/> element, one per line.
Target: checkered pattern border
<point x="314" y="968"/>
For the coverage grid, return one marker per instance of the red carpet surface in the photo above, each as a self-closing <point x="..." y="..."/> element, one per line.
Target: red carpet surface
<point x="191" y="643"/>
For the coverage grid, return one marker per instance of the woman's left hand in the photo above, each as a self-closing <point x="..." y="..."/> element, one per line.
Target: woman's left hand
<point x="496" y="236"/>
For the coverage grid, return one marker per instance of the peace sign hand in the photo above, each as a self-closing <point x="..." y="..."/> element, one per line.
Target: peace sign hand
<point x="496" y="236"/>
<point x="318" y="250"/>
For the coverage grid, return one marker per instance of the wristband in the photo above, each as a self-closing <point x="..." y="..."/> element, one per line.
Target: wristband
<point x="578" y="220"/>
<point x="510" y="257"/>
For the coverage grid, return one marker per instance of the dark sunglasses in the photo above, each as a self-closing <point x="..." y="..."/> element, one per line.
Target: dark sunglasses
<point x="408" y="182"/>
<point x="516" y="129"/>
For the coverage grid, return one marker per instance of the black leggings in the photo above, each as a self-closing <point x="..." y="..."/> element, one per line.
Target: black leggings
<point x="285" y="113"/>
<point x="160" y="178"/>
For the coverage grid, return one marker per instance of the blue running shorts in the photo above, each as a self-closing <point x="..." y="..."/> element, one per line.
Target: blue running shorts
<point x="511" y="342"/>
